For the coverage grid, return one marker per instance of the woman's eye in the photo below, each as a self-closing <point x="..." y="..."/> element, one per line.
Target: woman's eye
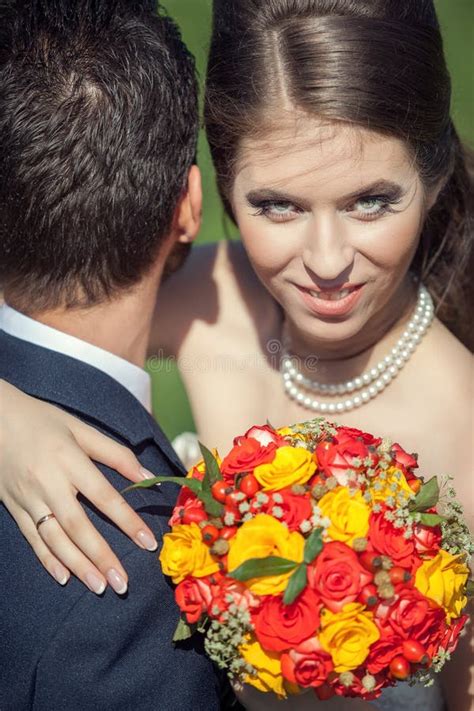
<point x="277" y="211"/>
<point x="369" y="207"/>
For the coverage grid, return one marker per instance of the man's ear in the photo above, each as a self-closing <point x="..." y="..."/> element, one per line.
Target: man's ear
<point x="187" y="219"/>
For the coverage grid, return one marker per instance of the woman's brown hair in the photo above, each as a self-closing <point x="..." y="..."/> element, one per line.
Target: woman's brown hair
<point x="378" y="64"/>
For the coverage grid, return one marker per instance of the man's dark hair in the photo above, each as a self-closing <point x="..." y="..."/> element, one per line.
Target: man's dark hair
<point x="98" y="128"/>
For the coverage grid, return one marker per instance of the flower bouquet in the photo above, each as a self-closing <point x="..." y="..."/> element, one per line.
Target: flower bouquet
<point x="314" y="557"/>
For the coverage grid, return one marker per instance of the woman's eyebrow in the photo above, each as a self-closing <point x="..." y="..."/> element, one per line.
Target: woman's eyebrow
<point x="382" y="187"/>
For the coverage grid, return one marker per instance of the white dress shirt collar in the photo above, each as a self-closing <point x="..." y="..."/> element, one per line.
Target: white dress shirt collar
<point x="136" y="380"/>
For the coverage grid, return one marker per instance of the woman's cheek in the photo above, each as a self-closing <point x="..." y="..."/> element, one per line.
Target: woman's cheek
<point x="270" y="247"/>
<point x="393" y="244"/>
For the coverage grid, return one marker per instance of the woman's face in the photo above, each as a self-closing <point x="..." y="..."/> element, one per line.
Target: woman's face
<point x="330" y="216"/>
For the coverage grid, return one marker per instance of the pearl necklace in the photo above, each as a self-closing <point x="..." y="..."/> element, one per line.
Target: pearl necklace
<point x="370" y="383"/>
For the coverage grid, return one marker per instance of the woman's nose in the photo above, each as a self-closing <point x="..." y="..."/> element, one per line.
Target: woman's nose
<point x="328" y="252"/>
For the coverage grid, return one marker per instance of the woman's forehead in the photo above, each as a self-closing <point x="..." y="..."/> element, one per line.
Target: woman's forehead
<point x="308" y="151"/>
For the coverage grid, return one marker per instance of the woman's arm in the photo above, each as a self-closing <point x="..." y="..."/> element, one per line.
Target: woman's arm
<point x="45" y="462"/>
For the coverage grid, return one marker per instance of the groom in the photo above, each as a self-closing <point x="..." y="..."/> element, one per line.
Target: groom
<point x="98" y="127"/>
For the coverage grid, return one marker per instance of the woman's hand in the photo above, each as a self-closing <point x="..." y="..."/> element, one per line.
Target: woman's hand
<point x="45" y="462"/>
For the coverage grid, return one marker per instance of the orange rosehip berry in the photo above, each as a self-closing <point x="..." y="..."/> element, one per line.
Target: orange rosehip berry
<point x="400" y="668"/>
<point x="210" y="534"/>
<point x="371" y="561"/>
<point x="399" y="575"/>
<point x="194" y="516"/>
<point x="368" y="596"/>
<point x="220" y="490"/>
<point x="249" y="485"/>
<point x="415" y="485"/>
<point x="415" y="652"/>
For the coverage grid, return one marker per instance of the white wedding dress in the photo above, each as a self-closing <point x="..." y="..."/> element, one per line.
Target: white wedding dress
<point x="398" y="698"/>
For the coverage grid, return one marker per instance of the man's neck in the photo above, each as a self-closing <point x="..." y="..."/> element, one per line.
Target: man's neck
<point x="121" y="326"/>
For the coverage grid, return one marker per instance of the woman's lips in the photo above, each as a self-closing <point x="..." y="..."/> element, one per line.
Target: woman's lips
<point x="331" y="302"/>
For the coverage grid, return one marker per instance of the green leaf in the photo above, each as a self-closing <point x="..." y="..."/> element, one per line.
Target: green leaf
<point x="213" y="473"/>
<point x="183" y="631"/>
<point x="470" y="588"/>
<point x="213" y="507"/>
<point x="193" y="484"/>
<point x="313" y="545"/>
<point x="431" y="519"/>
<point x="427" y="497"/>
<point x="296" y="584"/>
<point x="261" y="567"/>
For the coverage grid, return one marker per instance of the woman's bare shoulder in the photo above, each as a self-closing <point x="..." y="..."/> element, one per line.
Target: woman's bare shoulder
<point x="214" y="291"/>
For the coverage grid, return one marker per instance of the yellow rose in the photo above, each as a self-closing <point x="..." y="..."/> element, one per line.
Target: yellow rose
<point x="184" y="553"/>
<point x="349" y="514"/>
<point x="290" y="466"/>
<point x="347" y="635"/>
<point x="443" y="579"/>
<point x="267" y="665"/>
<point x="391" y="483"/>
<point x="261" y="537"/>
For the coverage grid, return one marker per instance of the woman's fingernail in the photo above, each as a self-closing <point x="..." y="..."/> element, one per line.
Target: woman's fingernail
<point x="147" y="541"/>
<point x="145" y="474"/>
<point x="60" y="575"/>
<point x="95" y="584"/>
<point x="116" y="581"/>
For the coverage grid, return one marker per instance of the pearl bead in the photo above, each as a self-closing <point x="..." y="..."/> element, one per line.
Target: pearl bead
<point x="372" y="390"/>
<point x="358" y="383"/>
<point x="286" y="377"/>
<point x="357" y="400"/>
<point x="332" y="408"/>
<point x="349" y="404"/>
<point x="386" y="377"/>
<point x="393" y="370"/>
<point x="365" y="396"/>
<point x="373" y="373"/>
<point x="366" y="379"/>
<point x="300" y="397"/>
<point x="340" y="407"/>
<point x="299" y="377"/>
<point x="307" y="402"/>
<point x="323" y="407"/>
<point x="332" y="389"/>
<point x="323" y="388"/>
<point x="315" y="405"/>
<point x="293" y="391"/>
<point x="350" y="386"/>
<point x="341" y="389"/>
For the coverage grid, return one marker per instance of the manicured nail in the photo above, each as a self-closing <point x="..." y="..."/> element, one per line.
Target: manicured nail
<point x="147" y="541"/>
<point x="60" y="574"/>
<point x="95" y="584"/>
<point x="145" y="474"/>
<point x="116" y="581"/>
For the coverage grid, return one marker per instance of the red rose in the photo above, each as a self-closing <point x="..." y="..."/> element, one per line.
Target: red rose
<point x="337" y="576"/>
<point x="452" y="632"/>
<point x="337" y="458"/>
<point x="265" y="435"/>
<point x="387" y="540"/>
<point x="295" y="508"/>
<point x="413" y="616"/>
<point x="403" y="458"/>
<point x="245" y="456"/>
<point x="427" y="539"/>
<point x="193" y="596"/>
<point x="384" y="650"/>
<point x="279" y="626"/>
<point x="307" y="665"/>
<point x="227" y="592"/>
<point x="368" y="439"/>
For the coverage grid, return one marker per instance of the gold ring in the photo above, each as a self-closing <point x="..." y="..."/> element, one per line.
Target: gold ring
<point x="43" y="519"/>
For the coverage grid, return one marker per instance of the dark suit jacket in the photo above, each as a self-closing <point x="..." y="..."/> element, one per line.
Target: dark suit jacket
<point x="65" y="649"/>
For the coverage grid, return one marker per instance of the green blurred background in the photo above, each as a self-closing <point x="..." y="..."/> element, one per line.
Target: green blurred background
<point x="170" y="405"/>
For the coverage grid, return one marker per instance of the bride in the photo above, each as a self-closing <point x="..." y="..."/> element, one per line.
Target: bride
<point x="329" y="126"/>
